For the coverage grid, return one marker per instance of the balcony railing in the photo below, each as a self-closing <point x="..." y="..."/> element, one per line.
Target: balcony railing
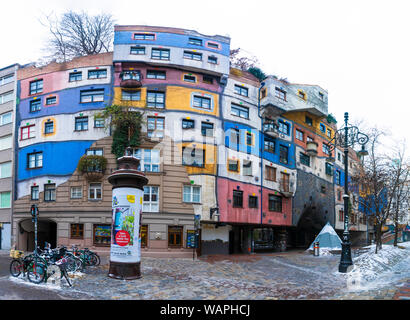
<point x="311" y="148"/>
<point x="286" y="187"/>
<point x="130" y="79"/>
<point x="271" y="129"/>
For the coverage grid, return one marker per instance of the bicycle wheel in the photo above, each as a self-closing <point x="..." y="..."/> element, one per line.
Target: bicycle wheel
<point x="94" y="259"/>
<point x="16" y="266"/>
<point x="36" y="272"/>
<point x="72" y="265"/>
<point x="64" y="273"/>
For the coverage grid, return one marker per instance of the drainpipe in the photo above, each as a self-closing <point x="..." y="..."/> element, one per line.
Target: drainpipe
<point x="261" y="145"/>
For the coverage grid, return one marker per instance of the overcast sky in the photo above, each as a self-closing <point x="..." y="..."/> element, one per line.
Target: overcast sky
<point x="359" y="51"/>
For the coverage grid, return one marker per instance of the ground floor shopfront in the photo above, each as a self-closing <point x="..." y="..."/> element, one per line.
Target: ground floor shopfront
<point x="161" y="235"/>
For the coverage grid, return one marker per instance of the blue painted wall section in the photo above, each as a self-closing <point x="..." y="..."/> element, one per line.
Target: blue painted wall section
<point x="59" y="158"/>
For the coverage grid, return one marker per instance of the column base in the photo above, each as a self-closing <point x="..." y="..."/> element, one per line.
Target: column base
<point x="125" y="271"/>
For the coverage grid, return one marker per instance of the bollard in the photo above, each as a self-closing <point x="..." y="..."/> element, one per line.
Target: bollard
<point x="316" y="249"/>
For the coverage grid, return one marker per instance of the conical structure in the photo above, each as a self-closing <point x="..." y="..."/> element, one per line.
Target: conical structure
<point x="328" y="239"/>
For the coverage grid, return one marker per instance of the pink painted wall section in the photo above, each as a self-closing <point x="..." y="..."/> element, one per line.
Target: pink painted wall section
<point x="250" y="215"/>
<point x="173" y="76"/>
<point x="51" y="82"/>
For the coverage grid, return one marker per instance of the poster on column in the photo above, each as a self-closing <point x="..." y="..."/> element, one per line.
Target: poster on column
<point x="126" y="213"/>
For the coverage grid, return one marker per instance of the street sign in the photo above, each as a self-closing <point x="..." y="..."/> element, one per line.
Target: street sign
<point x="191" y="239"/>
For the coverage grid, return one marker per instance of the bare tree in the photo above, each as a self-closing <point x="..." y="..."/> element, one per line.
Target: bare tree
<point x="78" y="34"/>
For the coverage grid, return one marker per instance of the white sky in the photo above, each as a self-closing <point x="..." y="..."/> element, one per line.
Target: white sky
<point x="359" y="51"/>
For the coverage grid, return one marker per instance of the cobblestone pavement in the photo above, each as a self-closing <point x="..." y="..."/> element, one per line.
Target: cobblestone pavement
<point x="290" y="276"/>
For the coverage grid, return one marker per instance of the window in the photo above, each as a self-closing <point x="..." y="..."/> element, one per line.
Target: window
<point x="234" y="138"/>
<point x="75" y="76"/>
<point x="247" y="168"/>
<point x="5" y="199"/>
<point x="35" y="105"/>
<point x="329" y="169"/>
<point x="76" y="192"/>
<point x="6" y="79"/>
<point x="144" y="235"/>
<point x="127" y="95"/>
<point x="195" y="41"/>
<point x="81" y="123"/>
<point x="308" y="121"/>
<point x="275" y="203"/>
<point x="207" y="129"/>
<point x="92" y="96"/>
<point x="299" y="135"/>
<point x="207" y="79"/>
<point x="36" y="86"/>
<point x="280" y="94"/>
<point x="309" y="139"/>
<point x="95" y="191"/>
<point x="155" y="99"/>
<point x="329" y="133"/>
<point x="283" y="154"/>
<point x="6" y="142"/>
<point x="283" y="127"/>
<point x="160" y="54"/>
<point x="192" y="194"/>
<point x="202" y="102"/>
<point x="27" y="132"/>
<point x="233" y="165"/>
<point x="97" y="74"/>
<point x="194" y="157"/>
<point x="102" y="234"/>
<point x="322" y="127"/>
<point x="144" y="36"/>
<point x="213" y="45"/>
<point x="137" y="50"/>
<point x="5" y="169"/>
<point x="263" y="93"/>
<point x="341" y="215"/>
<point x="339" y="195"/>
<point x="252" y="202"/>
<point x="189" y="78"/>
<point x="48" y="127"/>
<point x="239" y="111"/>
<point x="155" y="127"/>
<point x="323" y="189"/>
<point x="249" y="139"/>
<point x="5" y="118"/>
<point x="325" y="148"/>
<point x="241" y="90"/>
<point x="99" y="122"/>
<point x="151" y="199"/>
<point x="51" y="100"/>
<point x="34" y="160"/>
<point x="77" y="231"/>
<point x="50" y="192"/>
<point x="269" y="145"/>
<point x="155" y="74"/>
<point x="131" y="75"/>
<point x="95" y="152"/>
<point x="212" y="59"/>
<point x="6" y="97"/>
<point x="301" y="94"/>
<point x="304" y="159"/>
<point x="193" y="55"/>
<point x="338" y="156"/>
<point x="321" y="96"/>
<point x="188" y="124"/>
<point x="149" y="159"/>
<point x="35" y="193"/>
<point x="237" y="199"/>
<point x="338" y="177"/>
<point x="175" y="236"/>
<point x="270" y="173"/>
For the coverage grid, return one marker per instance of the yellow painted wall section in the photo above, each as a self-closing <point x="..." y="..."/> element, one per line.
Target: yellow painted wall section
<point x="210" y="158"/>
<point x="299" y="118"/>
<point x="137" y="104"/>
<point x="179" y="98"/>
<point x="52" y="119"/>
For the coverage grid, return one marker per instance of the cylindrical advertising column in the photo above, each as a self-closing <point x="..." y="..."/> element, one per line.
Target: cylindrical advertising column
<point x="127" y="193"/>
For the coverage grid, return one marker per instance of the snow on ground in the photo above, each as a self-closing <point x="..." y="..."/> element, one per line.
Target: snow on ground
<point x="371" y="270"/>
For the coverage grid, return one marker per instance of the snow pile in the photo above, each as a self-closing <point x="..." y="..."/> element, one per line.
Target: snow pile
<point x="371" y="269"/>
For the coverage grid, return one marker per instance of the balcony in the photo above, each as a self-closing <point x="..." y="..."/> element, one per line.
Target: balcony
<point x="130" y="79"/>
<point x="92" y="167"/>
<point x="271" y="129"/>
<point x="311" y="148"/>
<point x="286" y="187"/>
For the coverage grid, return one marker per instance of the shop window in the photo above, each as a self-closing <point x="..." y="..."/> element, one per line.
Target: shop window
<point x="77" y="231"/>
<point x="102" y="235"/>
<point x="175" y="236"/>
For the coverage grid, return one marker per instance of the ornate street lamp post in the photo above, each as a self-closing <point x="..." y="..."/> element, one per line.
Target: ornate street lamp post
<point x="346" y="137"/>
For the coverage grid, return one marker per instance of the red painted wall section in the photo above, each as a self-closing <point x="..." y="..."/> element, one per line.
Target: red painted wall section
<point x="250" y="215"/>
